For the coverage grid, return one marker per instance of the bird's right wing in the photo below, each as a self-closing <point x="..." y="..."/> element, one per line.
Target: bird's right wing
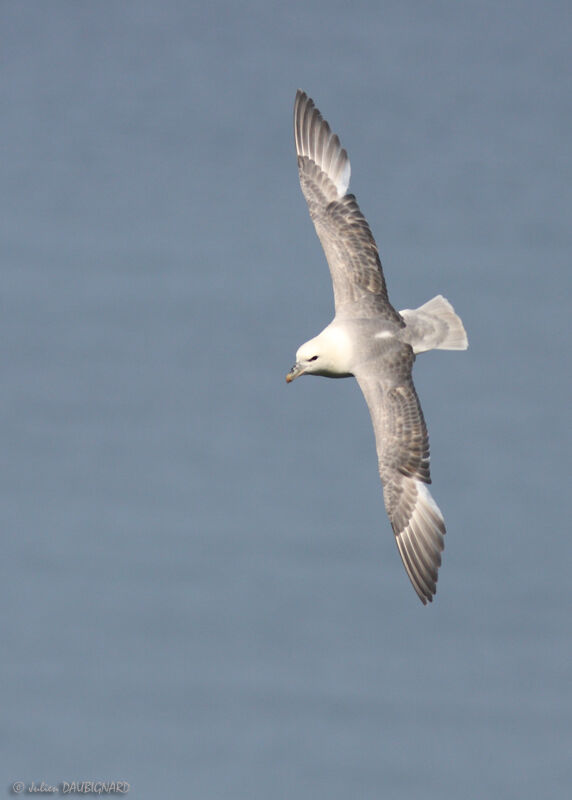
<point x="348" y="243"/>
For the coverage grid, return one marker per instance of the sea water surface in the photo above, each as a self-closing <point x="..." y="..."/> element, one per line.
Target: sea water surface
<point x="201" y="592"/>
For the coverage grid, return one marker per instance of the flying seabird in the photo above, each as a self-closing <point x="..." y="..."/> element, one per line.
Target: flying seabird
<point x="376" y="344"/>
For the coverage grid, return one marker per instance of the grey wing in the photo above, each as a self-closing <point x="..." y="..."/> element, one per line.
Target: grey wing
<point x="403" y="457"/>
<point x="348" y="243"/>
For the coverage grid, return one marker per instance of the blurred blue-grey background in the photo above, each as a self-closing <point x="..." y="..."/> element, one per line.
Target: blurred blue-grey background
<point x="200" y="596"/>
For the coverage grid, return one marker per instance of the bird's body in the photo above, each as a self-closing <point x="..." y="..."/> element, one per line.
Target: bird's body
<point x="370" y="340"/>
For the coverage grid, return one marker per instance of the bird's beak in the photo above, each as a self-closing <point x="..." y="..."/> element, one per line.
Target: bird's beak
<point x="296" y="370"/>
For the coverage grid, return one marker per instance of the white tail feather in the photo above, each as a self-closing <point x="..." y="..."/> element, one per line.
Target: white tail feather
<point x="434" y="326"/>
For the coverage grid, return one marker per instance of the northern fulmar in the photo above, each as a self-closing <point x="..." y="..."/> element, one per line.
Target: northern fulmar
<point x="370" y="340"/>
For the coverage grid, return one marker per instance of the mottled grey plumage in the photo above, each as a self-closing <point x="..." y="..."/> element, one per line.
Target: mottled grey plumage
<point x="350" y="248"/>
<point x="370" y="340"/>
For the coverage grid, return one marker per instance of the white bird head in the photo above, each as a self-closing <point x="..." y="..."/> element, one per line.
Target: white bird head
<point x="327" y="354"/>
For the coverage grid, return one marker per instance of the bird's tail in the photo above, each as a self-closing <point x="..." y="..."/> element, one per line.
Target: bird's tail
<point x="434" y="326"/>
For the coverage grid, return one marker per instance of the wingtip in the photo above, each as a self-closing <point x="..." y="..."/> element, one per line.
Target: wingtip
<point x="420" y="544"/>
<point x="302" y="97"/>
<point x="316" y="142"/>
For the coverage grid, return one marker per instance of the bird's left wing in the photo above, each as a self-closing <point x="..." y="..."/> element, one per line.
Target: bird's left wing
<point x="403" y="457"/>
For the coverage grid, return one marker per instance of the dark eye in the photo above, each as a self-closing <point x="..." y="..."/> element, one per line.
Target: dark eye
<point x="314" y="358"/>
